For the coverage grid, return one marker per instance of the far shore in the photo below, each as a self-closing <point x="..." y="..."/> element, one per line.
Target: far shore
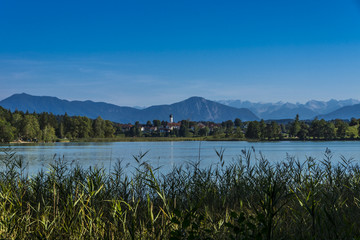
<point x="174" y="139"/>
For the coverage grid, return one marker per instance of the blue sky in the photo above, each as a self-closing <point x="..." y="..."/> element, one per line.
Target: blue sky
<point x="156" y="52"/>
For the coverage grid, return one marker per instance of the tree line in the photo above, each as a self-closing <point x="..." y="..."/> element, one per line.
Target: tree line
<point x="257" y="130"/>
<point x="47" y="127"/>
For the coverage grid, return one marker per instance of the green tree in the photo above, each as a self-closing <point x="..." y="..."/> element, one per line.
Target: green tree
<point x="295" y="127"/>
<point x="109" y="129"/>
<point x="276" y="130"/>
<point x="204" y="131"/>
<point x="184" y="129"/>
<point x="253" y="130"/>
<point x="229" y="124"/>
<point x="156" y="123"/>
<point x="99" y="126"/>
<point x="61" y="130"/>
<point x="239" y="133"/>
<point x="84" y="127"/>
<point x="316" y="128"/>
<point x="48" y="134"/>
<point x="17" y="122"/>
<point x="148" y="124"/>
<point x="237" y="122"/>
<point x="31" y="130"/>
<point x="229" y="127"/>
<point x="5" y="114"/>
<point x="341" y="128"/>
<point x="354" y="122"/>
<point x="196" y="130"/>
<point x="329" y="131"/>
<point x="67" y="123"/>
<point x="263" y="130"/>
<point x="6" y="131"/>
<point x="137" y="129"/>
<point x="304" y="131"/>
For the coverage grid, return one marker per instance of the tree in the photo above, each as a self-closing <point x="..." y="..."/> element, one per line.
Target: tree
<point x="329" y="131"/>
<point x="48" y="134"/>
<point x="148" y="124"/>
<point x="253" y="130"/>
<point x="354" y="122"/>
<point x="98" y="126"/>
<point x="184" y="129"/>
<point x="304" y="131"/>
<point x="67" y="122"/>
<point x="135" y="131"/>
<point x="196" y="130"/>
<point x="239" y="133"/>
<point x="74" y="127"/>
<point x="31" y="128"/>
<point x="316" y="128"/>
<point x="17" y="122"/>
<point x="84" y="126"/>
<point x="156" y="123"/>
<point x="6" y="131"/>
<point x="204" y="131"/>
<point x="229" y="127"/>
<point x="341" y="128"/>
<point x="61" y="131"/>
<point x="238" y="122"/>
<point x="109" y="129"/>
<point x="276" y="130"/>
<point x="295" y="127"/>
<point x="263" y="132"/>
<point x="229" y="124"/>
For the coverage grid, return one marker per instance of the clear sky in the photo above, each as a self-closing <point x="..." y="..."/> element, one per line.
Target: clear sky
<point x="159" y="52"/>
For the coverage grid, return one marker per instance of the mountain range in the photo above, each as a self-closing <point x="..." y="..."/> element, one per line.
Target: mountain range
<point x="194" y="108"/>
<point x="309" y="110"/>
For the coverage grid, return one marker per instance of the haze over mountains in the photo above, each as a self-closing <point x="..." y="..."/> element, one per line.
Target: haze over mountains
<point x="194" y="108"/>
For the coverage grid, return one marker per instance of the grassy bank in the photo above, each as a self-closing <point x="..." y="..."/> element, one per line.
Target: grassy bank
<point x="249" y="198"/>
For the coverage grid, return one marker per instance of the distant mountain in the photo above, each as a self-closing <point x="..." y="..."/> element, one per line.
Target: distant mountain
<point x="347" y="112"/>
<point x="195" y="109"/>
<point x="25" y="102"/>
<point x="281" y="110"/>
<point x="199" y="109"/>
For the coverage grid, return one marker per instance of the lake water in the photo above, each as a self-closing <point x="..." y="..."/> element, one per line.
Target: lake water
<point x="167" y="154"/>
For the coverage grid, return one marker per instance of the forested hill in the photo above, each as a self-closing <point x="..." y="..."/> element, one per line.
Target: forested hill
<point x="195" y="109"/>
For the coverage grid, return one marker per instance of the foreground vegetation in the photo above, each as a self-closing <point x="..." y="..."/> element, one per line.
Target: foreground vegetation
<point x="247" y="198"/>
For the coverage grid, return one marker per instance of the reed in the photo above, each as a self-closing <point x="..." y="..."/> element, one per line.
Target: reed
<point x="246" y="198"/>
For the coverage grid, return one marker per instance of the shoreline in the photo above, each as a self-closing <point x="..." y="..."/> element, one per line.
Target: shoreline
<point x="170" y="139"/>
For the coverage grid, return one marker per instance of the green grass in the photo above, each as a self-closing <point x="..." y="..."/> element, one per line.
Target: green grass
<point x="247" y="198"/>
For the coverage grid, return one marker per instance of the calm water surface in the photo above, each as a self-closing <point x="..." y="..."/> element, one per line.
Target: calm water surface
<point x="167" y="154"/>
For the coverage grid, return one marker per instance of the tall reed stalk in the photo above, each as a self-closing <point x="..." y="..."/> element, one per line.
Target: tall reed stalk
<point x="248" y="197"/>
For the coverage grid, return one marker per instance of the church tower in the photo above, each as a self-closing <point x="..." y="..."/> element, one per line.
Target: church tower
<point x="171" y="118"/>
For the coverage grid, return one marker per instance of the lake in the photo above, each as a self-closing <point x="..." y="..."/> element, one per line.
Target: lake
<point x="167" y="154"/>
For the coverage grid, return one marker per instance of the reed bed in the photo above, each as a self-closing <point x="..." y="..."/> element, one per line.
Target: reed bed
<point x="246" y="198"/>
